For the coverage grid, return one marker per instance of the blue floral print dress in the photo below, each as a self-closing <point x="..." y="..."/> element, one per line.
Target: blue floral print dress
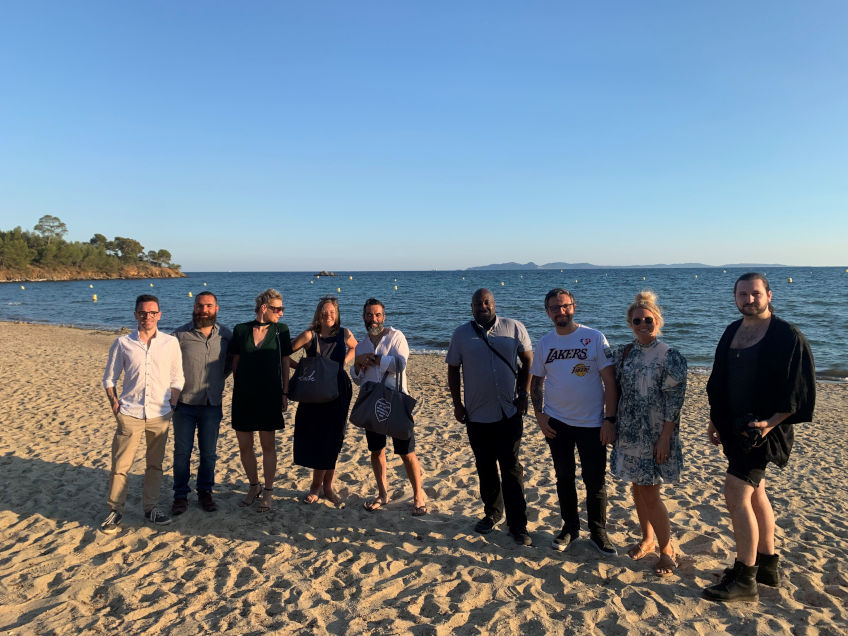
<point x="653" y="385"/>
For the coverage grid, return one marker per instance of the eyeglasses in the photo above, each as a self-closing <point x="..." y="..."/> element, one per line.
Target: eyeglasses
<point x="638" y="321"/>
<point x="145" y="314"/>
<point x="557" y="308"/>
<point x="277" y="310"/>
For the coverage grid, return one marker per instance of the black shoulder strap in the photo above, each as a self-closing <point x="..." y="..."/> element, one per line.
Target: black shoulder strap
<point x="480" y="333"/>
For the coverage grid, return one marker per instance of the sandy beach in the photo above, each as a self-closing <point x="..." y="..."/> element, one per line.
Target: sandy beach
<point x="314" y="569"/>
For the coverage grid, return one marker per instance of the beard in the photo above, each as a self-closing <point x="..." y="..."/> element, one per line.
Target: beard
<point x="375" y="328"/>
<point x="564" y="321"/>
<point x="753" y="309"/>
<point x="201" y="320"/>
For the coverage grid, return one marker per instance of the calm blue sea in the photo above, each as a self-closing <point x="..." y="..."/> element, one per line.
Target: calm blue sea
<point x="427" y="306"/>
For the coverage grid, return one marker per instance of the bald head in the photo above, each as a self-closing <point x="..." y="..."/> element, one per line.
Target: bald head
<point x="483" y="306"/>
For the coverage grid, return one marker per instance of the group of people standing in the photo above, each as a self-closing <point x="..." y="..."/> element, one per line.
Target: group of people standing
<point x="585" y="395"/>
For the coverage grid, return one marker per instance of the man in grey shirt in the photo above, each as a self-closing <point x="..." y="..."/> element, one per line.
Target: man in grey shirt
<point x="206" y="366"/>
<point x="494" y="355"/>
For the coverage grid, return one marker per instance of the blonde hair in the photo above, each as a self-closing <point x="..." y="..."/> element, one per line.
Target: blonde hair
<point x="266" y="297"/>
<point x="646" y="299"/>
<point x="316" y="317"/>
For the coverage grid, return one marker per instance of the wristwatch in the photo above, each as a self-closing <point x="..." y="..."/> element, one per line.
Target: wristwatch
<point x="612" y="419"/>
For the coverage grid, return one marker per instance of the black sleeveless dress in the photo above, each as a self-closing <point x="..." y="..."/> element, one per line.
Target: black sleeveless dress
<point x="319" y="429"/>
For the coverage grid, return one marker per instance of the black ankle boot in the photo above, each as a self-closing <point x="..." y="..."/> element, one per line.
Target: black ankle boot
<point x="768" y="574"/>
<point x="738" y="584"/>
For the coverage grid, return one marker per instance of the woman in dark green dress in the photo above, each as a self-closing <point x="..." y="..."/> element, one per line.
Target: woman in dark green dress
<point x="319" y="428"/>
<point x="260" y="351"/>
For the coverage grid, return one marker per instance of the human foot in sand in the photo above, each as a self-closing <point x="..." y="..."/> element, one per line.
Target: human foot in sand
<point x="331" y="496"/>
<point x="252" y="493"/>
<point x="642" y="549"/>
<point x="376" y="504"/>
<point x="311" y="497"/>
<point x="267" y="500"/>
<point x="665" y="565"/>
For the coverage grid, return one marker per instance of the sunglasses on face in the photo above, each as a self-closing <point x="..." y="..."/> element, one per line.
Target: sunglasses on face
<point x="276" y="310"/>
<point x="638" y="321"/>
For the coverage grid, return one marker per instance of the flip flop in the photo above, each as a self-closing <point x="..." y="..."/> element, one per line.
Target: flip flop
<point x="376" y="504"/>
<point x="639" y="551"/>
<point x="309" y="498"/>
<point x="419" y="511"/>
<point x="665" y="565"/>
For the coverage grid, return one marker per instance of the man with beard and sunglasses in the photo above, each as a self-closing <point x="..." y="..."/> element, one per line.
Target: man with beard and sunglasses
<point x="575" y="401"/>
<point x="384" y="354"/>
<point x="762" y="383"/>
<point x="206" y="365"/>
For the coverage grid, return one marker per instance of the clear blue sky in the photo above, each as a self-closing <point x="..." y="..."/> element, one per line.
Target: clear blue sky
<point x="439" y="134"/>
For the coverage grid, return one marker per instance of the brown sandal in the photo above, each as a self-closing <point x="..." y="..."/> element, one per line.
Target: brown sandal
<point x="640" y="551"/>
<point x="252" y="493"/>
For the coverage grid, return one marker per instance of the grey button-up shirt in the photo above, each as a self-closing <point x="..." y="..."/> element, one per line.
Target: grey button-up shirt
<point x="489" y="385"/>
<point x="205" y="364"/>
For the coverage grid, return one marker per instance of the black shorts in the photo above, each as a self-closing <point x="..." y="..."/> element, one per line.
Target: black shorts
<point x="377" y="442"/>
<point x="749" y="467"/>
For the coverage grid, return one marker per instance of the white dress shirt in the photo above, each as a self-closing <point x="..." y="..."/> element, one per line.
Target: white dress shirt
<point x="149" y="373"/>
<point x="393" y="351"/>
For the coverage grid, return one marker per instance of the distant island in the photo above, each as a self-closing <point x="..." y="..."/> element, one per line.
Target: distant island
<point x="532" y="265"/>
<point x="44" y="254"/>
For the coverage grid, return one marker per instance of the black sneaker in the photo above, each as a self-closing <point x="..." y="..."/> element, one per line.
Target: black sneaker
<point x="521" y="537"/>
<point x="563" y="539"/>
<point x="110" y="524"/>
<point x="157" y="517"/>
<point x="602" y="543"/>
<point x="485" y="525"/>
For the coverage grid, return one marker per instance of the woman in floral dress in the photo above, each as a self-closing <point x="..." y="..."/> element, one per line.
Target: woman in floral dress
<point x="647" y="450"/>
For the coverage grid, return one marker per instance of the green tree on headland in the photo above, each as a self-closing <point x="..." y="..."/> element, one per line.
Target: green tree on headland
<point x="44" y="253"/>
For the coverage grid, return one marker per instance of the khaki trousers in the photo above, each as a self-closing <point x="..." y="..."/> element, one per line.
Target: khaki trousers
<point x="124" y="446"/>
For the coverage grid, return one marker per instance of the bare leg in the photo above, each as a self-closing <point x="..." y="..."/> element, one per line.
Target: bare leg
<point x="327" y="485"/>
<point x="413" y="472"/>
<point x="269" y="467"/>
<point x="738" y="495"/>
<point x="765" y="519"/>
<point x="646" y="545"/>
<point x="378" y="465"/>
<point x="657" y="517"/>
<point x="248" y="456"/>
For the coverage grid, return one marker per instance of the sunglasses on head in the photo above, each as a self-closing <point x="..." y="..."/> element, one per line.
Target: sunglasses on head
<point x="638" y="321"/>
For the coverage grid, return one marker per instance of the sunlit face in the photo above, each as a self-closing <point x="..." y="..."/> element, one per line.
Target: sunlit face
<point x="561" y="310"/>
<point x="272" y="311"/>
<point x="483" y="307"/>
<point x="205" y="311"/>
<point x="374" y="319"/>
<point x="147" y="314"/>
<point x="752" y="299"/>
<point x="644" y="325"/>
<point x="328" y="316"/>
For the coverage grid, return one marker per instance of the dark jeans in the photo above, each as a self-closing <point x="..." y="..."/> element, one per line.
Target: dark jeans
<point x="497" y="444"/>
<point x="593" y="462"/>
<point x="188" y="419"/>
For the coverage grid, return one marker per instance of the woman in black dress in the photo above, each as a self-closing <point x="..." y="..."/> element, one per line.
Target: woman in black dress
<point x="319" y="428"/>
<point x="260" y="351"/>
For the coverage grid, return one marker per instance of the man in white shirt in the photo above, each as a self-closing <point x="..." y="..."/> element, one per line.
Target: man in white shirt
<point x="384" y="353"/>
<point x="575" y="401"/>
<point x="151" y="363"/>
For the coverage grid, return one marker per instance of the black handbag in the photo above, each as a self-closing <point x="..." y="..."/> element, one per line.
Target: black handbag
<point x="315" y="381"/>
<point x="381" y="409"/>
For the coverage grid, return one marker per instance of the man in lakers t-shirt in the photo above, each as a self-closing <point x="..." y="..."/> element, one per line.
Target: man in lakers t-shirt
<point x="575" y="401"/>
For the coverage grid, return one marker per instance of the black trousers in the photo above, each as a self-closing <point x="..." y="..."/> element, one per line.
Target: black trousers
<point x="498" y="444"/>
<point x="593" y="462"/>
